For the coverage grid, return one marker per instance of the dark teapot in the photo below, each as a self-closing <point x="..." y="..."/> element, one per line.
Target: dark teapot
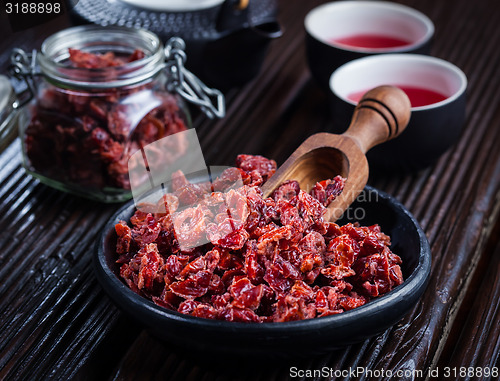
<point x="226" y="40"/>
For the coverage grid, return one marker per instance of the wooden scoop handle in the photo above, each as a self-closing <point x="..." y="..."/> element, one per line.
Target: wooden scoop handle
<point x="381" y="114"/>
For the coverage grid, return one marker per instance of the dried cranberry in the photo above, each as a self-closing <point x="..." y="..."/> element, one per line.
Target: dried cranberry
<point x="193" y="287"/>
<point x="244" y="315"/>
<point x="287" y="191"/>
<point x="189" y="226"/>
<point x="151" y="264"/>
<point x="326" y="191"/>
<point x="263" y="166"/>
<point x="124" y="237"/>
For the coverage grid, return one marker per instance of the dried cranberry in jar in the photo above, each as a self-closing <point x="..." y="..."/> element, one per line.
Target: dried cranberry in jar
<point x="84" y="138"/>
<point x="104" y="94"/>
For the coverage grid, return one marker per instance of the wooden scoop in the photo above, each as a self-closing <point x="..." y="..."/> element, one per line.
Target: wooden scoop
<point x="381" y="114"/>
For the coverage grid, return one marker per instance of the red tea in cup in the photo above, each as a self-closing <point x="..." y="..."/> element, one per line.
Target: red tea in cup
<point x="371" y="41"/>
<point x="419" y="96"/>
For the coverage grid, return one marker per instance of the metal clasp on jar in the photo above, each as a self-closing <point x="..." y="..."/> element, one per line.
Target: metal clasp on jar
<point x="23" y="67"/>
<point x="187" y="85"/>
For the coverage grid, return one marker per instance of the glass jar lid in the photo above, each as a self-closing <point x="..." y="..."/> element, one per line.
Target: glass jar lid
<point x="53" y="57"/>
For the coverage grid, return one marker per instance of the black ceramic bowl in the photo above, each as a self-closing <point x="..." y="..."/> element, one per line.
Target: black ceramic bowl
<point x="290" y="339"/>
<point x="433" y="127"/>
<point x="373" y="27"/>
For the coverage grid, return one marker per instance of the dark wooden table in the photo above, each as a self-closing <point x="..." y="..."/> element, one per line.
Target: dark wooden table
<point x="57" y="322"/>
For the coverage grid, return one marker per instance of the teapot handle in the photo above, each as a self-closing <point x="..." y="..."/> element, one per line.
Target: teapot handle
<point x="234" y="15"/>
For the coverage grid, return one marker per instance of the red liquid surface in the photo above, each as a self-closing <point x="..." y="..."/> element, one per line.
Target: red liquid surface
<point x="371" y="41"/>
<point x="418" y="96"/>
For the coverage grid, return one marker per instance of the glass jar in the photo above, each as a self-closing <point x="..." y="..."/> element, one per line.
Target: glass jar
<point x="98" y="95"/>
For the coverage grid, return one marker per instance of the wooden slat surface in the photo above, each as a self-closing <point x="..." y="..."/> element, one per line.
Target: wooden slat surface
<point x="55" y="320"/>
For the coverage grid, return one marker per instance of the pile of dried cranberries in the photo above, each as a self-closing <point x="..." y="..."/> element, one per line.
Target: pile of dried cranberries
<point x="258" y="259"/>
